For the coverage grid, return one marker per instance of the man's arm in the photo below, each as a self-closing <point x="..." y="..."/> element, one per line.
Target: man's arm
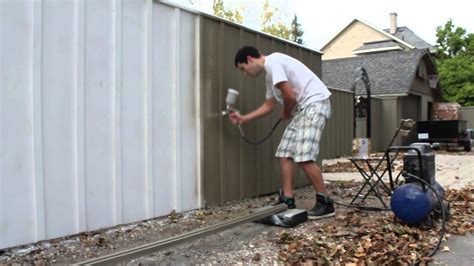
<point x="289" y="98"/>
<point x="266" y="108"/>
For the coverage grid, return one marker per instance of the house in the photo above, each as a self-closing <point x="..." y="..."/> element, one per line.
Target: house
<point x="361" y="38"/>
<point x="400" y="67"/>
<point x="398" y="74"/>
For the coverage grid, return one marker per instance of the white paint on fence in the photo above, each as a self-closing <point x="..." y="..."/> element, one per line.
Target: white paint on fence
<point x="98" y="115"/>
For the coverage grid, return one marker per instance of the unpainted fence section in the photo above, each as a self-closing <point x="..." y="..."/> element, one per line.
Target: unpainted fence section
<point x="233" y="169"/>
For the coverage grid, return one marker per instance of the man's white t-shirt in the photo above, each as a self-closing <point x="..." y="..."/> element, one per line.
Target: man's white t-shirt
<point x="308" y="88"/>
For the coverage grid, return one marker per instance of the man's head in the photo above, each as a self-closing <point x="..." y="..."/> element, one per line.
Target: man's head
<point x="249" y="60"/>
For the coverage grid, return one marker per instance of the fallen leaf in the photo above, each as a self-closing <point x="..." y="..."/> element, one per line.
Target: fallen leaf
<point x="282" y="256"/>
<point x="257" y="256"/>
<point x="461" y="231"/>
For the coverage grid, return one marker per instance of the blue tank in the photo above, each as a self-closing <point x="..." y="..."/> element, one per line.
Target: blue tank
<point x="411" y="204"/>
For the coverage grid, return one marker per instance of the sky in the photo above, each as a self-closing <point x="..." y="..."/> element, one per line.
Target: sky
<point x="322" y="20"/>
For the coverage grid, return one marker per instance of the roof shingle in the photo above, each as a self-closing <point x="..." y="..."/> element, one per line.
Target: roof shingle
<point x="405" y="34"/>
<point x="389" y="72"/>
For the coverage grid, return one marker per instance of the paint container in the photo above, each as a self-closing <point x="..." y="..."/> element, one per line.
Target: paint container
<point x="361" y="148"/>
<point x="232" y="96"/>
<point x="230" y="100"/>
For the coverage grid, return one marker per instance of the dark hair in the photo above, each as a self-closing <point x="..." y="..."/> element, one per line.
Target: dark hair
<point x="242" y="53"/>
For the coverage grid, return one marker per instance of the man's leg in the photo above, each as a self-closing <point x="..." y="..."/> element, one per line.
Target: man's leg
<point x="286" y="167"/>
<point x="313" y="172"/>
<point x="324" y="204"/>
<point x="286" y="194"/>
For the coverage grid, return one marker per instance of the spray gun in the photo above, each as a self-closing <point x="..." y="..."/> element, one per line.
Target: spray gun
<point x="230" y="101"/>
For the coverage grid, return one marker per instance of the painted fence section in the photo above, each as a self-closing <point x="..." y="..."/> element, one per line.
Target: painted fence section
<point x="98" y="115"/>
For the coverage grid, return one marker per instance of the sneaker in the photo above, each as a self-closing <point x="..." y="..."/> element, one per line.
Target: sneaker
<point x="323" y="208"/>
<point x="284" y="199"/>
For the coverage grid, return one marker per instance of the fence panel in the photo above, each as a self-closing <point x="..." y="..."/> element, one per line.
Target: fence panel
<point x="233" y="169"/>
<point x="99" y="115"/>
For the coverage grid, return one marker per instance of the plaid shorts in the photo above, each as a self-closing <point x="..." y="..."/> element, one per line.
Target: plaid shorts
<point x="301" y="138"/>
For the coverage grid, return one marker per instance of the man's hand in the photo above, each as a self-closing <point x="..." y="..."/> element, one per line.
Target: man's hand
<point x="263" y="110"/>
<point x="289" y="98"/>
<point x="236" y="118"/>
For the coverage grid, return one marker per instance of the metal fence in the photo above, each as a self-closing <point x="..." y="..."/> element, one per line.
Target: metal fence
<point x="110" y="113"/>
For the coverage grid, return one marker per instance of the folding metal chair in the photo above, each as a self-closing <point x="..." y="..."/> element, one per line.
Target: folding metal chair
<point x="373" y="176"/>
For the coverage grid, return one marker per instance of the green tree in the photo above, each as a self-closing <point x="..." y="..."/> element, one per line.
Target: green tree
<point x="455" y="63"/>
<point x="222" y="12"/>
<point x="272" y="23"/>
<point x="296" y="31"/>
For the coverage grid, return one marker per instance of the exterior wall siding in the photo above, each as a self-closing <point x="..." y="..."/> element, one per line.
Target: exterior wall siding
<point x="420" y="87"/>
<point x="352" y="38"/>
<point x="390" y="116"/>
<point x="411" y="107"/>
<point x="467" y="113"/>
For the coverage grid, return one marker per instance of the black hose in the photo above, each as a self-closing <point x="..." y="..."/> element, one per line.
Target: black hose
<point x="364" y="208"/>
<point x="443" y="212"/>
<point x="257" y="142"/>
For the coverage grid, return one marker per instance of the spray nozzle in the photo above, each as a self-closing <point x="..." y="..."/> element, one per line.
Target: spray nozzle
<point x="230" y="100"/>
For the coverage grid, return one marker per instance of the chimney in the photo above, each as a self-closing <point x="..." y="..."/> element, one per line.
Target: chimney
<point x="393" y="23"/>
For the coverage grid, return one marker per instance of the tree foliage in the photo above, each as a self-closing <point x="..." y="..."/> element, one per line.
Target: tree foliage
<point x="455" y="63"/>
<point x="271" y="21"/>
<point x="222" y="12"/>
<point x="296" y="31"/>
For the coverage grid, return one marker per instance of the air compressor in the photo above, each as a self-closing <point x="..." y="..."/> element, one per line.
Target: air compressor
<point x="421" y="194"/>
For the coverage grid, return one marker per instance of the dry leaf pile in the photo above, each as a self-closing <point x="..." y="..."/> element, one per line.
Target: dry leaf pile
<point x="370" y="238"/>
<point x="462" y="211"/>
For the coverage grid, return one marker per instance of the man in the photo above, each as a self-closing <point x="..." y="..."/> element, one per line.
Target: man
<point x="305" y="100"/>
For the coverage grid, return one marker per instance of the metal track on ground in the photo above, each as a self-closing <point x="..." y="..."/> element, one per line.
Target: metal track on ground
<point x="140" y="251"/>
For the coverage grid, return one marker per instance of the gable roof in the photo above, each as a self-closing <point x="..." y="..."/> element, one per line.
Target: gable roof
<point x="393" y="37"/>
<point x="390" y="73"/>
